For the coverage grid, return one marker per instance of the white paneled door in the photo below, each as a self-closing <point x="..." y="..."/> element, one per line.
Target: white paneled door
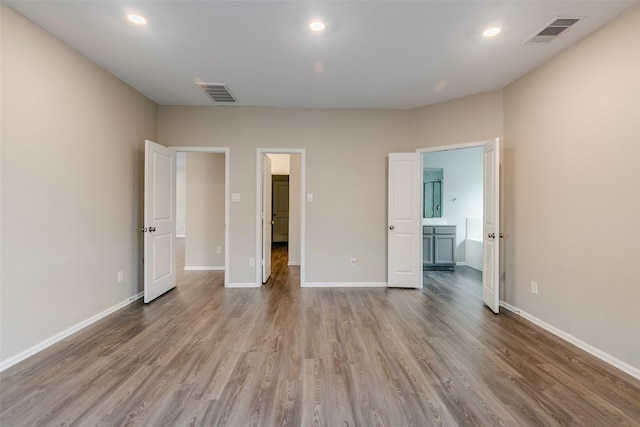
<point x="159" y="220"/>
<point x="491" y="227"/>
<point x="404" y="226"/>
<point x="267" y="221"/>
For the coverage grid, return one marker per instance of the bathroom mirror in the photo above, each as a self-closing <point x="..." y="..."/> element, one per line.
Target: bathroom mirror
<point x="432" y="192"/>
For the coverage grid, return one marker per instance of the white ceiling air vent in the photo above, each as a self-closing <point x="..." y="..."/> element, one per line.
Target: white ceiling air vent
<point x="218" y="92"/>
<point x="552" y="30"/>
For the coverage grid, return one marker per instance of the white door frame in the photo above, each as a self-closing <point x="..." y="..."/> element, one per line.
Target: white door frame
<point x="451" y="147"/>
<point x="225" y="151"/>
<point x="262" y="152"/>
<point x="266" y="208"/>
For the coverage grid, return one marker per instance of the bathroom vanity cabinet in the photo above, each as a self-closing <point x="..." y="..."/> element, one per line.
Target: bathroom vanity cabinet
<point x="438" y="247"/>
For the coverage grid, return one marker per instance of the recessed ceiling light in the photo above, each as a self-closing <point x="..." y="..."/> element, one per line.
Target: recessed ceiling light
<point x="137" y="19"/>
<point x="491" y="32"/>
<point x="317" y="26"/>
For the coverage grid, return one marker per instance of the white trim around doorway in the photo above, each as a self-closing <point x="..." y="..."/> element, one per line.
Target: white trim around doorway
<point x="227" y="161"/>
<point x="451" y="147"/>
<point x="259" y="153"/>
<point x="475" y="144"/>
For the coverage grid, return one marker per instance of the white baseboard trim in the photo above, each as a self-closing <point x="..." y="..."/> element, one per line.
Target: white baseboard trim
<point x="345" y="285"/>
<point x="136" y="297"/>
<point x="461" y="263"/>
<point x="293" y="263"/>
<point x="5" y="364"/>
<point x="242" y="285"/>
<point x="203" y="268"/>
<point x="605" y="357"/>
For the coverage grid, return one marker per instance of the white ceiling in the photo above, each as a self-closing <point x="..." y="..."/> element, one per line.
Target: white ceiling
<point x="374" y="54"/>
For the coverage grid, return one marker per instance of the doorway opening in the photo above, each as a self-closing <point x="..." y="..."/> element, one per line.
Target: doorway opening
<point x="466" y="230"/>
<point x="452" y="209"/>
<point x="452" y="219"/>
<point x="280" y="210"/>
<point x="202" y="210"/>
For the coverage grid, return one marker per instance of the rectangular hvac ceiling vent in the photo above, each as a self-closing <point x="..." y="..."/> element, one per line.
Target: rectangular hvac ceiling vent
<point x="218" y="92"/>
<point x="552" y="30"/>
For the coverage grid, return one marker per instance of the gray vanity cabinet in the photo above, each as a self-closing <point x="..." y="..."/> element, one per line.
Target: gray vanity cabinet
<point x="439" y="247"/>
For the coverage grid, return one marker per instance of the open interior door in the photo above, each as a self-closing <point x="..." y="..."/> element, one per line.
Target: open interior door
<point x="159" y="220"/>
<point x="267" y="220"/>
<point x="404" y="267"/>
<point x="491" y="227"/>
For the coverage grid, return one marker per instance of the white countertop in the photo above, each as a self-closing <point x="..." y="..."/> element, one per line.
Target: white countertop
<point x="434" y="221"/>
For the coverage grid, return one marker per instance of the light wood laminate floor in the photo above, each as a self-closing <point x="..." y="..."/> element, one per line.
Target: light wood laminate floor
<point x="285" y="356"/>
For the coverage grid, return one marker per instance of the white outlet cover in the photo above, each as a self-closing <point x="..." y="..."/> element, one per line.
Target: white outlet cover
<point x="235" y="197"/>
<point x="310" y="197"/>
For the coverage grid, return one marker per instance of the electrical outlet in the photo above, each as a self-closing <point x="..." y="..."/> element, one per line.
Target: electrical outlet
<point x="219" y="249"/>
<point x="534" y="287"/>
<point x="252" y="262"/>
<point x="353" y="261"/>
<point x="120" y="276"/>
